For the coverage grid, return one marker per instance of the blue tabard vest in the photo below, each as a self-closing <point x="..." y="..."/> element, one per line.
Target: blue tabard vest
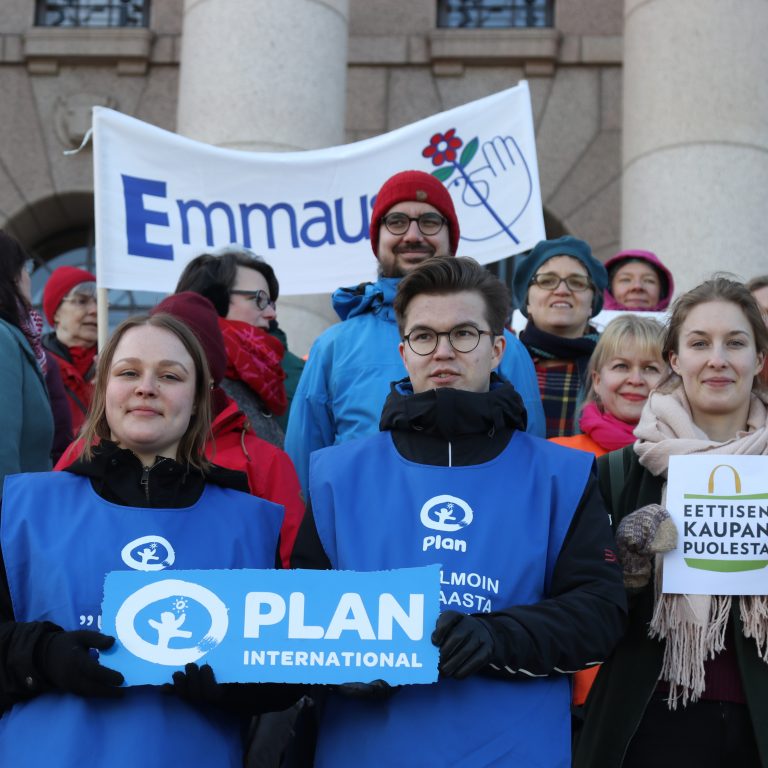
<point x="59" y="539"/>
<point x="497" y="529"/>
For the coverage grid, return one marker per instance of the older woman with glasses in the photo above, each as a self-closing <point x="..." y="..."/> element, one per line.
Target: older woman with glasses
<point x="244" y="290"/>
<point x="559" y="286"/>
<point x="69" y="305"/>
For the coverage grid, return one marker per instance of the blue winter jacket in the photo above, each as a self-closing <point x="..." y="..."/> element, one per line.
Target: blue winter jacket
<point x="351" y="365"/>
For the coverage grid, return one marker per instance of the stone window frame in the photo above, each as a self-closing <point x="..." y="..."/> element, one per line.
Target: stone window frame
<point x="45" y="49"/>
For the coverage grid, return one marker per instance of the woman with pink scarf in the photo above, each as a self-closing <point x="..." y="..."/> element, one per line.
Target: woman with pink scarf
<point x="688" y="684"/>
<point x="625" y="366"/>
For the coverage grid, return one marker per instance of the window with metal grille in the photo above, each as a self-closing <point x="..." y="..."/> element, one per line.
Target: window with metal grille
<point x="495" y="14"/>
<point x="92" y="13"/>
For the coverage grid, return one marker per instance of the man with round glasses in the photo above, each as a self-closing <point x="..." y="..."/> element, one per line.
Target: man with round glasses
<point x="530" y="588"/>
<point x="351" y="365"/>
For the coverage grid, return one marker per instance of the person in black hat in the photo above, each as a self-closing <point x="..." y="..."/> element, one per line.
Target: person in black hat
<point x="559" y="286"/>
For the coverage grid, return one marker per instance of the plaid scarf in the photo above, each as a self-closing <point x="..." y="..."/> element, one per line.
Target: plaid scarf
<point x="561" y="367"/>
<point x="253" y="357"/>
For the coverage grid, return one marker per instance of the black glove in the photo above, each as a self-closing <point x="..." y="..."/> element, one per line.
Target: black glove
<point x="197" y="686"/>
<point x="377" y="690"/>
<point x="66" y="661"/>
<point x="465" y="642"/>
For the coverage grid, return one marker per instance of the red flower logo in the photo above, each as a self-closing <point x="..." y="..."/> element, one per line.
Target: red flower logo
<point x="442" y="147"/>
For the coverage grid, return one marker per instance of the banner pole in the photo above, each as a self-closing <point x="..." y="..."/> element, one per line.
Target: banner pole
<point x="102" y="316"/>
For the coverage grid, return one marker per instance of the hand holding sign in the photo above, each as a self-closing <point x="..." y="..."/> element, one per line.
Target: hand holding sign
<point x="69" y="665"/>
<point x="641" y="536"/>
<point x="465" y="642"/>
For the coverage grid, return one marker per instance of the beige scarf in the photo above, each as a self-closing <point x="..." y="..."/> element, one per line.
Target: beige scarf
<point x="694" y="625"/>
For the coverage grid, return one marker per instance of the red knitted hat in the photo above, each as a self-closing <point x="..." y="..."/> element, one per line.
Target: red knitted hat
<point x="419" y="187"/>
<point x="197" y="312"/>
<point x="59" y="284"/>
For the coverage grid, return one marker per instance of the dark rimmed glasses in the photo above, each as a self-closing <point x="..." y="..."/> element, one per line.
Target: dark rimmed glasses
<point x="428" y="223"/>
<point x="463" y="338"/>
<point x="549" y="281"/>
<point x="259" y="298"/>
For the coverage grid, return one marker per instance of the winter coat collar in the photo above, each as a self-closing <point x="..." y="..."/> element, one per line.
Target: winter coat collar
<point x="365" y="298"/>
<point x="453" y="413"/>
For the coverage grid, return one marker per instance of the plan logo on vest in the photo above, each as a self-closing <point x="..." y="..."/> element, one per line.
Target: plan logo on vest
<point x="171" y="622"/>
<point x="148" y="553"/>
<point x="448" y="514"/>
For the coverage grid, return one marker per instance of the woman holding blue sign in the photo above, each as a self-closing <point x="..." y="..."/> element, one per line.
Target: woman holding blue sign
<point x="688" y="685"/>
<point x="143" y="496"/>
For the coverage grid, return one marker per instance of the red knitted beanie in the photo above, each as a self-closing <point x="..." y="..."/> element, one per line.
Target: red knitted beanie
<point x="419" y="187"/>
<point x="59" y="284"/>
<point x="200" y="316"/>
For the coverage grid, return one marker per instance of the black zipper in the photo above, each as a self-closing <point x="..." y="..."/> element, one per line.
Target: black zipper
<point x="145" y="476"/>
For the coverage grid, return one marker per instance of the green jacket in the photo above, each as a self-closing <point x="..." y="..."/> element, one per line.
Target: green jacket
<point x="627" y="680"/>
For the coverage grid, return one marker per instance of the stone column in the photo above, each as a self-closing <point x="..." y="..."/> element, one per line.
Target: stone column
<point x="695" y="144"/>
<point x="267" y="75"/>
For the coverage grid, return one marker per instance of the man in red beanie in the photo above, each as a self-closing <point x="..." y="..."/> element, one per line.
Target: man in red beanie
<point x="69" y="305"/>
<point x="351" y="365"/>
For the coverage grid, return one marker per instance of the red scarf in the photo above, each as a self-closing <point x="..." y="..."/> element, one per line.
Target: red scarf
<point x="605" y="429"/>
<point x="253" y="357"/>
<point x="82" y="358"/>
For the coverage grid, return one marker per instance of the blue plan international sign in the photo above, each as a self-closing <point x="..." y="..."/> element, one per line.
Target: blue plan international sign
<point x="274" y="626"/>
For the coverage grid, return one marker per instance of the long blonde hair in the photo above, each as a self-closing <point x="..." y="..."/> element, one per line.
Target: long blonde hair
<point x="192" y="445"/>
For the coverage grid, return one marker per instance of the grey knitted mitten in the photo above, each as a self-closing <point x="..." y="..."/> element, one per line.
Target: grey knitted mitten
<point x="641" y="535"/>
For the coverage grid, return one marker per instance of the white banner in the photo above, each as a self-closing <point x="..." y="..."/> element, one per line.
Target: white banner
<point x="720" y="507"/>
<point x="162" y="199"/>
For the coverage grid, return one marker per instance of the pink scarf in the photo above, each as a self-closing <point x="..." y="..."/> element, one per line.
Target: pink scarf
<point x="605" y="429"/>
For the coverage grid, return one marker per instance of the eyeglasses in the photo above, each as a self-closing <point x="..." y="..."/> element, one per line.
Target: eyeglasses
<point x="463" y="338"/>
<point x="259" y="298"/>
<point x="549" y="281"/>
<point x="428" y="223"/>
<point x="80" y="301"/>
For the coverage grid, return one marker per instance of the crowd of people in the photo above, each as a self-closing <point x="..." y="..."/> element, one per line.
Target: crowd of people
<point x="195" y="422"/>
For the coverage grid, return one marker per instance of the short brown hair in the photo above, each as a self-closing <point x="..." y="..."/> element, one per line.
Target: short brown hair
<point x="719" y="288"/>
<point x="192" y="445"/>
<point x="445" y="275"/>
